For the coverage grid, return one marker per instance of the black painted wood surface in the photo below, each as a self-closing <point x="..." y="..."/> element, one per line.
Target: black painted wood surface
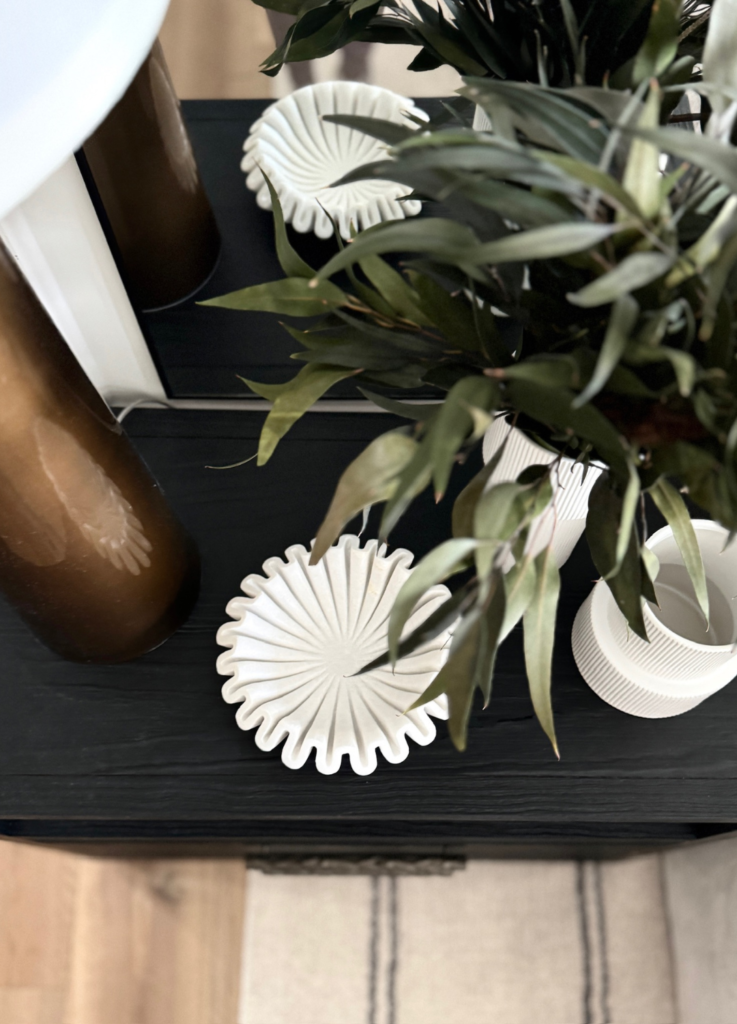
<point x="149" y="749"/>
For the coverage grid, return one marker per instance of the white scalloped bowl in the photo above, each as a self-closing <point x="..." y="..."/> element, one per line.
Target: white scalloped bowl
<point x="303" y="155"/>
<point x="299" y="636"/>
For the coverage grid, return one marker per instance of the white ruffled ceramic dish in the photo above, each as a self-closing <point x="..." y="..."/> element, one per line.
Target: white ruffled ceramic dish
<point x="299" y="636"/>
<point x="303" y="155"/>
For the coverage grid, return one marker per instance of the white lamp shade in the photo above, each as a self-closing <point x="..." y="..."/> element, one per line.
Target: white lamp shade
<point x="63" y="65"/>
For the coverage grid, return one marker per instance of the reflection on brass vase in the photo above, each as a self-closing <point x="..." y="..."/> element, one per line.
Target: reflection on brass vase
<point x="90" y="553"/>
<point x="144" y="170"/>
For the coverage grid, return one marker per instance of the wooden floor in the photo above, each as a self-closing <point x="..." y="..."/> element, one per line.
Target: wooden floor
<point x="97" y="941"/>
<point x="214" y="48"/>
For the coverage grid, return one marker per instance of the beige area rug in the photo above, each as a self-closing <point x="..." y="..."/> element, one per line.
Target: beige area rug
<point x="500" y="942"/>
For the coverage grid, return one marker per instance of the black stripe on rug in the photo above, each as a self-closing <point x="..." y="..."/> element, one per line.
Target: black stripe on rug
<point x="373" y="951"/>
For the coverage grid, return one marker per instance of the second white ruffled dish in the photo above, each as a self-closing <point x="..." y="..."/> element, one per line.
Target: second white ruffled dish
<point x="300" y="634"/>
<point x="303" y="155"/>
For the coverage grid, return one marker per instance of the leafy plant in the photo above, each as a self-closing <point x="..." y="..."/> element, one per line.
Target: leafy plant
<point x="581" y="280"/>
<point x="556" y="43"/>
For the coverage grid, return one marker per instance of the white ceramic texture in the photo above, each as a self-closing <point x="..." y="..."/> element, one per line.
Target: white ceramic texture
<point x="303" y="155"/>
<point x="565" y="521"/>
<point x="683" y="664"/>
<point x="481" y="120"/>
<point x="300" y="634"/>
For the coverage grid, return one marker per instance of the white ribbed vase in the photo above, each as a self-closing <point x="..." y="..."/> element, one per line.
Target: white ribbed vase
<point x="303" y="155"/>
<point x="683" y="664"/>
<point x="300" y="635"/>
<point x="481" y="121"/>
<point x="565" y="521"/>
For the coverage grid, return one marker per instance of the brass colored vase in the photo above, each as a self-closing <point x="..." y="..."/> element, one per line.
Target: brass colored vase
<point x="144" y="170"/>
<point x="90" y="553"/>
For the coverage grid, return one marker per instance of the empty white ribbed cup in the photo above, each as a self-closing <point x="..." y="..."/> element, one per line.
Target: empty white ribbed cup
<point x="565" y="520"/>
<point x="684" y="663"/>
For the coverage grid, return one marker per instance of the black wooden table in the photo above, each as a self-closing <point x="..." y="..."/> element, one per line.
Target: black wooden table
<point x="149" y="753"/>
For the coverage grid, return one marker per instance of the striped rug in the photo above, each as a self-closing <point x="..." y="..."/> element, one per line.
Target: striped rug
<point x="499" y="942"/>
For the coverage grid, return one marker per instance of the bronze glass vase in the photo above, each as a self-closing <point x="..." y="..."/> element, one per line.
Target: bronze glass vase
<point x="91" y="555"/>
<point x="145" y="173"/>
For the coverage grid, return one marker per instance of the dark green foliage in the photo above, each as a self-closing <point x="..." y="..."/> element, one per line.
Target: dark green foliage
<point x="570" y="284"/>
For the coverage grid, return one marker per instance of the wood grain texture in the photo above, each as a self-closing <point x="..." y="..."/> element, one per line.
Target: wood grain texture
<point x="86" y="941"/>
<point x="156" y="941"/>
<point x="153" y="743"/>
<point x="214" y="48"/>
<point x="36" y="912"/>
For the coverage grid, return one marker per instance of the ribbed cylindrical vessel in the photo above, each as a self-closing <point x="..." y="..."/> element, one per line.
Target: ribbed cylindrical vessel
<point x="91" y="555"/>
<point x="684" y="663"/>
<point x="145" y="172"/>
<point x="565" y="521"/>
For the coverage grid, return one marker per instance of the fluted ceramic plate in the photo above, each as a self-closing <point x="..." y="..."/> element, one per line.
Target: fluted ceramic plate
<point x="303" y="155"/>
<point x="299" y="636"/>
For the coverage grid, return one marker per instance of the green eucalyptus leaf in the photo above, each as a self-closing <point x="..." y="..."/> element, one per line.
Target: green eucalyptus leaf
<point x="526" y="208"/>
<point x="539" y="640"/>
<point x="603" y="530"/>
<point x="500" y="511"/>
<point x="683" y="363"/>
<point x="565" y="122"/>
<point x="717" y="279"/>
<point x="291" y="402"/>
<point x="377" y="128"/>
<point x="409" y="410"/>
<point x="451" y="46"/>
<point x="290" y="296"/>
<point x="635" y="271"/>
<point x="719" y="50"/>
<point x="630" y="501"/>
<point x="289" y="259"/>
<point x="451" y="314"/>
<point x="661" y="42"/>
<point x="490" y="631"/>
<point x="642" y="173"/>
<point x="589" y="174"/>
<point x="465" y="504"/>
<point x="553" y="406"/>
<point x="542" y="243"/>
<point x="457" y="678"/>
<point x="622" y="320"/>
<point x="443" y="561"/>
<point x="394" y="289"/>
<point x="520" y="584"/>
<point x="442" y="618"/>
<point x="413" y="479"/>
<point x="432" y="235"/>
<point x="712" y="156"/>
<point x="455" y="422"/>
<point x="371" y="477"/>
<point x="708" y="247"/>
<point x="672" y="506"/>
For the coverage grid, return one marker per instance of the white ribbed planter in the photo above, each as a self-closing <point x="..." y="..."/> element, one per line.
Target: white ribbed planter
<point x="566" y="519"/>
<point x="683" y="664"/>
<point x="481" y="122"/>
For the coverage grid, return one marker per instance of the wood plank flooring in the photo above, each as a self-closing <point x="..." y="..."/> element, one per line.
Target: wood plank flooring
<point x="98" y="941"/>
<point x="214" y="48"/>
